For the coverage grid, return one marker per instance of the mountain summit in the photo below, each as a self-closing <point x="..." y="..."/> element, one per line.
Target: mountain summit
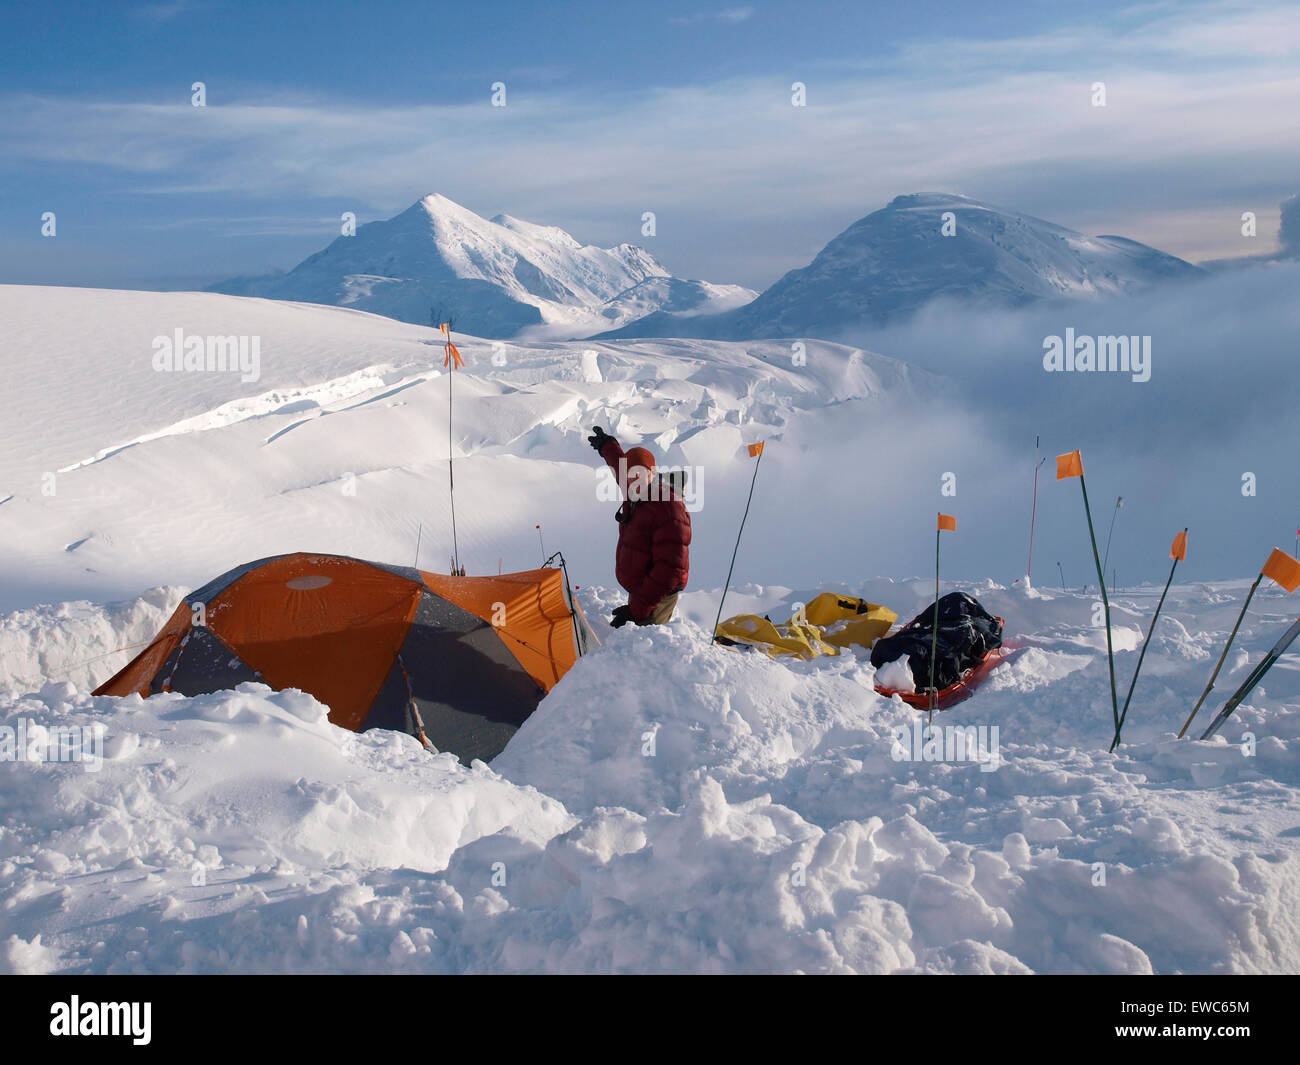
<point x="494" y="277"/>
<point x="929" y="246"/>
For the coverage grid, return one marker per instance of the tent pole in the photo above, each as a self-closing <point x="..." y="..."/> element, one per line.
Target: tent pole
<point x="573" y="603"/>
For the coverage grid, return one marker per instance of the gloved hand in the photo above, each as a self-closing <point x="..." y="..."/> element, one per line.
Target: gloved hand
<point x="599" y="438"/>
<point x="622" y="615"/>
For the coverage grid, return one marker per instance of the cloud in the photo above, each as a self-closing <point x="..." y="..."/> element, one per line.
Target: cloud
<point x="1288" y="237"/>
<point x="730" y="15"/>
<point x="158" y="14"/>
<point x="1288" y="233"/>
<point x="1220" y="404"/>
<point x="732" y="164"/>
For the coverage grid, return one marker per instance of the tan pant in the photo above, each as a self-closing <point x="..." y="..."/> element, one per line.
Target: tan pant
<point x="663" y="611"/>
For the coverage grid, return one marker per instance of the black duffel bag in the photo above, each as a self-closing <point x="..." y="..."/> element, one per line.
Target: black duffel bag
<point x="967" y="632"/>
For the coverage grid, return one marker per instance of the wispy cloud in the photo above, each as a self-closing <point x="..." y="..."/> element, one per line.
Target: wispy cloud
<point x="731" y="15"/>
<point x="735" y="172"/>
<point x="158" y="14"/>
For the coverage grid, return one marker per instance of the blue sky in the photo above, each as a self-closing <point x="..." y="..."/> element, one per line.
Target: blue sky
<point x="614" y="109"/>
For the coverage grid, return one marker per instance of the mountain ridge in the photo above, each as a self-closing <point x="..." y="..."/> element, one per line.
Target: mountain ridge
<point x="892" y="262"/>
<point x="496" y="277"/>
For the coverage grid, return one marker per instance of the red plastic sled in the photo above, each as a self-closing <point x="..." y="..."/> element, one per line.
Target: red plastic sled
<point x="957" y="692"/>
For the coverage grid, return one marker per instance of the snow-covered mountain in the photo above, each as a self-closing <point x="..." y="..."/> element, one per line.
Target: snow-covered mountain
<point x="896" y="260"/>
<point x="675" y="298"/>
<point x="495" y="277"/>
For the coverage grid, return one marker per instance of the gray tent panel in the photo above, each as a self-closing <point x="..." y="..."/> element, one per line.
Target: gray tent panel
<point x="202" y="663"/>
<point x="470" y="692"/>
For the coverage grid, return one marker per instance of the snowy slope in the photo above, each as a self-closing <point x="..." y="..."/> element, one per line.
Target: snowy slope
<point x="494" y="277"/>
<point x="894" y="261"/>
<point x="342" y="444"/>
<point x="734" y="815"/>
<point x="674" y="297"/>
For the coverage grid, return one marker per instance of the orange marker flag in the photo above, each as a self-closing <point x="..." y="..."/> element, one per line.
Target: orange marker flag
<point x="445" y="327"/>
<point x="1070" y="465"/>
<point x="452" y="353"/>
<point x="1284" y="569"/>
<point x="1178" y="552"/>
<point x="947" y="521"/>
<point x="756" y="449"/>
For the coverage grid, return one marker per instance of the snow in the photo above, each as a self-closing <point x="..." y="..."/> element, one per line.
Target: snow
<point x="896" y="676"/>
<point x="341" y="444"/>
<point x="676" y="806"/>
<point x="672" y="806"/>
<point x="79" y="642"/>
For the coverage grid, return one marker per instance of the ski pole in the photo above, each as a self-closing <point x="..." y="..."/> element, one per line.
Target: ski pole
<point x="1256" y="675"/>
<point x="1178" y="552"/>
<point x="1214" y="676"/>
<point x="1280" y="568"/>
<point x="755" y="452"/>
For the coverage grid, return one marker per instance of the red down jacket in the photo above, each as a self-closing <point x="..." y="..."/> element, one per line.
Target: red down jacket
<point x="654" y="536"/>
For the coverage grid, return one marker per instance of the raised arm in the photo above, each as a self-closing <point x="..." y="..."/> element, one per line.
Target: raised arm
<point x="607" y="447"/>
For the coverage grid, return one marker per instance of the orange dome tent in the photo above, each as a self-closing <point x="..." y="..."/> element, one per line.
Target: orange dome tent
<point x="459" y="662"/>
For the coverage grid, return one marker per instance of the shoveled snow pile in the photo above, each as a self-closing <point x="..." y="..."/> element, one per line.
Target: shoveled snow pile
<point x="896" y="676"/>
<point x="677" y="806"/>
<point x="80" y="643"/>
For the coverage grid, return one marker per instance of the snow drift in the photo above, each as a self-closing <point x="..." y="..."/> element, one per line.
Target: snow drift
<point x="672" y="807"/>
